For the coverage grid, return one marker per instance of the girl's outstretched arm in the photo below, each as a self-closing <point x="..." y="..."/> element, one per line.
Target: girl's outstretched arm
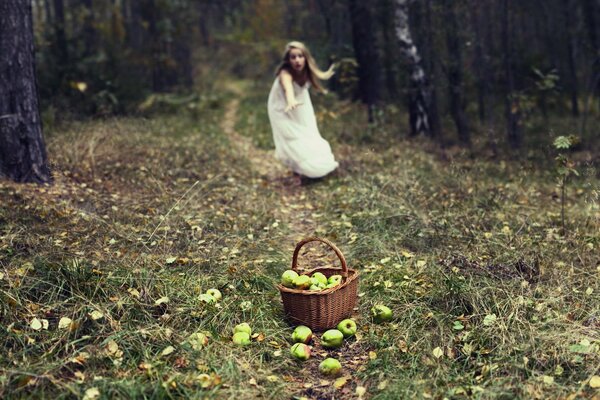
<point x="286" y="81"/>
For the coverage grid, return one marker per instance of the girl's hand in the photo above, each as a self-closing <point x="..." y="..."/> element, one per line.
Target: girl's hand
<point x="292" y="105"/>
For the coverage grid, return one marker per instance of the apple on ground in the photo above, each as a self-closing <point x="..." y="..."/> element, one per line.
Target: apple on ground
<point x="347" y="327"/>
<point x="287" y="278"/>
<point x="302" y="334"/>
<point x="241" y="338"/>
<point x="320" y="277"/>
<point x="302" y="282"/>
<point x="243" y="327"/>
<point x="330" y="367"/>
<point x="381" y="313"/>
<point x="300" y="351"/>
<point x="332" y="339"/>
<point x="207" y="298"/>
<point x="216" y="293"/>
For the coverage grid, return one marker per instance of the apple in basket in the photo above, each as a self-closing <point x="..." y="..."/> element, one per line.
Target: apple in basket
<point x="216" y="293"/>
<point x="319" y="278"/>
<point x="334" y="280"/>
<point x="243" y="327"/>
<point x="315" y="288"/>
<point x="381" y="313"/>
<point x="302" y="334"/>
<point x="287" y="278"/>
<point x="347" y="327"/>
<point x="332" y="339"/>
<point x="300" y="351"/>
<point x="330" y="367"/>
<point x="302" y="282"/>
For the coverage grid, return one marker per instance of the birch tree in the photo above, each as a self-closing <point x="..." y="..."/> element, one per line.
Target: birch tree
<point x="419" y="93"/>
<point x="22" y="150"/>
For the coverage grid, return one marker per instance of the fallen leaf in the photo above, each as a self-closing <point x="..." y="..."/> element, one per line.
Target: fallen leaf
<point x="96" y="315"/>
<point x="64" y="323"/>
<point x="167" y="350"/>
<point x="340" y="382"/>
<point x="162" y="300"/>
<point x="91" y="394"/>
<point x="438" y="352"/>
<point x="361" y="391"/>
<point x="35" y="324"/>
<point x="594" y="382"/>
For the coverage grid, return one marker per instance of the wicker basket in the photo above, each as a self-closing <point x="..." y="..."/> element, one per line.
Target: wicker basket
<point x="321" y="310"/>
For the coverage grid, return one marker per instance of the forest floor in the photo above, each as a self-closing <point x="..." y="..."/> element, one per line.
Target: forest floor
<point x="101" y="273"/>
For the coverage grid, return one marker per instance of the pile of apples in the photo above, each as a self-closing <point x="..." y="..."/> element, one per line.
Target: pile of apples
<point x="315" y="282"/>
<point x="331" y="339"/>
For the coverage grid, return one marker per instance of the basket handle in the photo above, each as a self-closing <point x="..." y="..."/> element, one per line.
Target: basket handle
<point x="328" y="243"/>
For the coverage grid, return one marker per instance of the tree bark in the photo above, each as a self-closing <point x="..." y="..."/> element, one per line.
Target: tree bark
<point x="571" y="62"/>
<point x="22" y="150"/>
<point x="366" y="54"/>
<point x="419" y="93"/>
<point x="511" y="102"/>
<point x="456" y="97"/>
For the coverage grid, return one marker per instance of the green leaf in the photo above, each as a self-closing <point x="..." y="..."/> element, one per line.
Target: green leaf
<point x="562" y="142"/>
<point x="458" y="326"/>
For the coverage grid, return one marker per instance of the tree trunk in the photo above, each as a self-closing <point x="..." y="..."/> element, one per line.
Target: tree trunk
<point x="366" y="54"/>
<point x="456" y="97"/>
<point x="419" y="92"/>
<point x="480" y="60"/>
<point x="432" y="66"/>
<point x="22" y="150"/>
<point x="89" y="32"/>
<point x="572" y="68"/>
<point x="511" y="102"/>
<point x="62" y="52"/>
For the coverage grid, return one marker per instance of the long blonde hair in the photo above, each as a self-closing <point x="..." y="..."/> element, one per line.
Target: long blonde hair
<point x="314" y="73"/>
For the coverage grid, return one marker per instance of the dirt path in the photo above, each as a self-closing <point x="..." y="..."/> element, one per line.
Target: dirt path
<point x="294" y="208"/>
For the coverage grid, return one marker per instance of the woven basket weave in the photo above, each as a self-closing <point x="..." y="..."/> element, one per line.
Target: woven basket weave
<point x="321" y="310"/>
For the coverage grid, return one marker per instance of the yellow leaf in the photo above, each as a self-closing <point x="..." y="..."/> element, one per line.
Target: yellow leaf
<point x="382" y="385"/>
<point x="162" y="300"/>
<point x="96" y="315"/>
<point x="407" y="254"/>
<point x="35" y="324"/>
<point x="112" y="347"/>
<point x="548" y="380"/>
<point x="361" y="391"/>
<point x="134" y="292"/>
<point x="438" y="352"/>
<point x="372" y="355"/>
<point x="594" y="382"/>
<point x="272" y="378"/>
<point x="91" y="394"/>
<point x="64" y="323"/>
<point x="340" y="382"/>
<point x="167" y="350"/>
<point x="421" y="263"/>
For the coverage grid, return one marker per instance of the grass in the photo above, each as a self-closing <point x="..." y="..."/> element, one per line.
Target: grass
<point x="490" y="300"/>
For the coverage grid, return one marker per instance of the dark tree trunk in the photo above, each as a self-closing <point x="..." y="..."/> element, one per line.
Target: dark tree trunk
<point x="62" y="52"/>
<point x="454" y="71"/>
<point x="366" y="54"/>
<point x="89" y="32"/>
<point x="419" y="90"/>
<point x="481" y="69"/>
<point x="22" y="151"/>
<point x="571" y="62"/>
<point x="433" y="73"/>
<point x="389" y="59"/>
<point x="511" y="102"/>
<point x="591" y="8"/>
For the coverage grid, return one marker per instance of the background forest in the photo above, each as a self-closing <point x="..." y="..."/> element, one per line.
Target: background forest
<point x="499" y="72"/>
<point x="467" y="197"/>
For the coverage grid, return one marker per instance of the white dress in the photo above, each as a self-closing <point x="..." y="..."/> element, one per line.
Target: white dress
<point x="298" y="143"/>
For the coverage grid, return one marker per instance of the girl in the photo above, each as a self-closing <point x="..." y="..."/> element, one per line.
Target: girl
<point x="298" y="143"/>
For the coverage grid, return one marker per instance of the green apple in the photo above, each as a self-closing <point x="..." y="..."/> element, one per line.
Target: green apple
<point x="241" y="338"/>
<point x="302" y="282"/>
<point x="243" y="327"/>
<point x="216" y="293"/>
<point x="381" y="313"/>
<point x="319" y="277"/>
<point x="330" y="367"/>
<point x="347" y="327"/>
<point x="302" y="334"/>
<point x="332" y="339"/>
<point x="330" y="285"/>
<point x="287" y="278"/>
<point x="337" y="279"/>
<point x="300" y="351"/>
<point x="207" y="298"/>
<point x="315" y="288"/>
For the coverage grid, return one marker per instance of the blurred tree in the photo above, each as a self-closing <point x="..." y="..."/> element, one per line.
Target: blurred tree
<point x="365" y="49"/>
<point x="512" y="107"/>
<point x="419" y="93"/>
<point x="22" y="150"/>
